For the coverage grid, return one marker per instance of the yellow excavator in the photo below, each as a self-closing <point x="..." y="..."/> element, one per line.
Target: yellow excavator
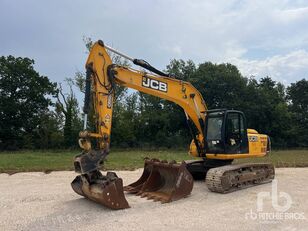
<point x="218" y="137"/>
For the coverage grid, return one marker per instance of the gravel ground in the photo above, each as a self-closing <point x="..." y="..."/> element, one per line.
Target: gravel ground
<point x="38" y="201"/>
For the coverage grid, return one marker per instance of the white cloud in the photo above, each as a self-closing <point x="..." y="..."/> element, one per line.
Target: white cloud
<point x="290" y="15"/>
<point x="283" y="68"/>
<point x="252" y="33"/>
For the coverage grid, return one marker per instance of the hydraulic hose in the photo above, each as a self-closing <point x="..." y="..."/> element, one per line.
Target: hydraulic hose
<point x="87" y="98"/>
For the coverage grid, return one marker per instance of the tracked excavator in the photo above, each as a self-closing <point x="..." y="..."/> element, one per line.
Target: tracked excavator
<point x="218" y="137"/>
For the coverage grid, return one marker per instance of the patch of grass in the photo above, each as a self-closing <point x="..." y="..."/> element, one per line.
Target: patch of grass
<point x="282" y="158"/>
<point x="24" y="161"/>
<point x="128" y="160"/>
<point x="47" y="161"/>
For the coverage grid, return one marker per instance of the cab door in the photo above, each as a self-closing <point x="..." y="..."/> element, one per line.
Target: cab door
<point x="236" y="140"/>
<point x="214" y="132"/>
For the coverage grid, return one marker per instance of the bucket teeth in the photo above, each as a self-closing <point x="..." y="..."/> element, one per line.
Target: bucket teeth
<point x="137" y="185"/>
<point x="162" y="181"/>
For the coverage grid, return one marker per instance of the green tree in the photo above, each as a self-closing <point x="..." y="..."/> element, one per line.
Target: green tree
<point x="67" y="104"/>
<point x="181" y="69"/>
<point x="221" y="85"/>
<point x="24" y="97"/>
<point x="297" y="93"/>
<point x="178" y="133"/>
<point x="267" y="111"/>
<point x="48" y="134"/>
<point x="126" y="121"/>
<point x="152" y="125"/>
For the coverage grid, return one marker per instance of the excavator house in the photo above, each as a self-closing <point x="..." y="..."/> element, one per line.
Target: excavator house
<point x="218" y="137"/>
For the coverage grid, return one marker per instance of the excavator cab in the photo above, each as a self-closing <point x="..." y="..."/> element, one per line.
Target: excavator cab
<point x="226" y="132"/>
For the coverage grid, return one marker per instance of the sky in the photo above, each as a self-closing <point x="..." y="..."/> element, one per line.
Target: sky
<point x="262" y="38"/>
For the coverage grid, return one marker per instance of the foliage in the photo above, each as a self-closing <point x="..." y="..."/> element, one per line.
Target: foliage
<point x="35" y="113"/>
<point x="267" y="110"/>
<point x="221" y="85"/>
<point x="67" y="105"/>
<point x="24" y="102"/>
<point x="297" y="93"/>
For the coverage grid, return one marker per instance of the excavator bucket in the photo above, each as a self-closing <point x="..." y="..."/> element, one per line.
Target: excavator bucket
<point x="106" y="190"/>
<point x="137" y="185"/>
<point x="165" y="181"/>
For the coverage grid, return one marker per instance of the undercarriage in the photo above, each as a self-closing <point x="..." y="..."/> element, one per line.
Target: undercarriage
<point x="223" y="177"/>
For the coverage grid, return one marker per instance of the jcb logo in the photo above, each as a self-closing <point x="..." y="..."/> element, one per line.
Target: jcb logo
<point x="154" y="84"/>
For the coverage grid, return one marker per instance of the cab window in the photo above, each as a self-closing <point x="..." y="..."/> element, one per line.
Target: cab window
<point x="214" y="128"/>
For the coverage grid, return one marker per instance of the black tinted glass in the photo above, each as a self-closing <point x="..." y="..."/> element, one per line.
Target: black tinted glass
<point x="214" y="128"/>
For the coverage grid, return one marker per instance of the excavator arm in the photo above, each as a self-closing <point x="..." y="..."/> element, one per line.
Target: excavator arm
<point x="104" y="76"/>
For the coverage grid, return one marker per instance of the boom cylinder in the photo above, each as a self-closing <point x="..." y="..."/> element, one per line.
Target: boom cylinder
<point x="138" y="62"/>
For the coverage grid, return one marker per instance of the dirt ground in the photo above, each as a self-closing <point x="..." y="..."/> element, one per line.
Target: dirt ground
<point x="38" y="201"/>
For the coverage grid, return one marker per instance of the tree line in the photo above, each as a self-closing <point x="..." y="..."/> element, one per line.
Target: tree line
<point x="36" y="113"/>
